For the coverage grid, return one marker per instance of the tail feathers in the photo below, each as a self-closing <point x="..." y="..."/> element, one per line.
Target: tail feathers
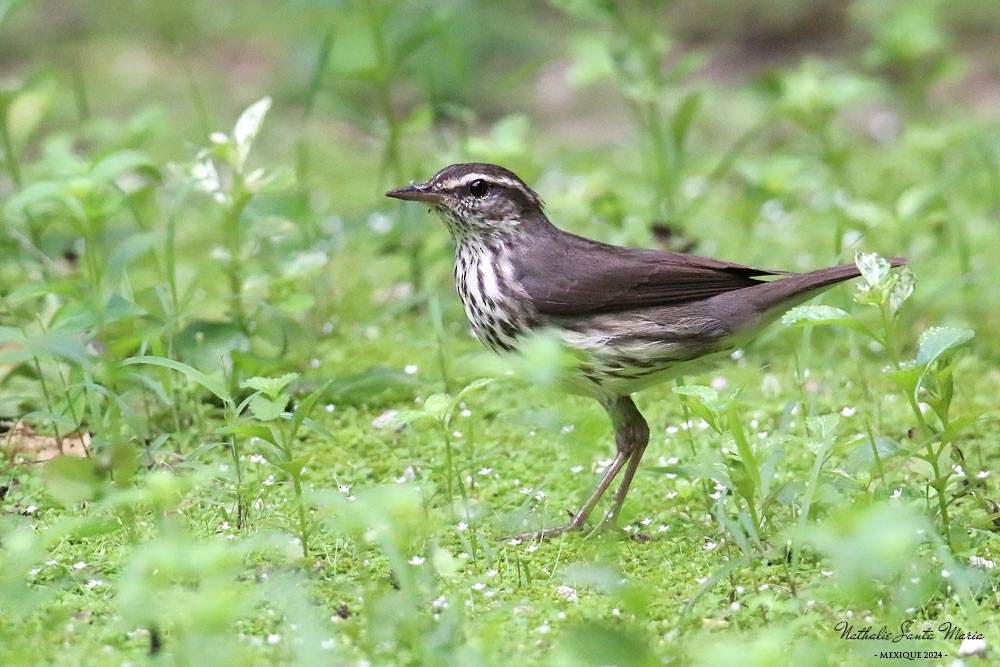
<point x="786" y="293"/>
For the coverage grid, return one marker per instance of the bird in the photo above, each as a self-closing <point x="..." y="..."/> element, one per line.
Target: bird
<point x="634" y="316"/>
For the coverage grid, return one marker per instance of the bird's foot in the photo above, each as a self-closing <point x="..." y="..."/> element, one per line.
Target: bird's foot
<point x="545" y="533"/>
<point x="576" y="523"/>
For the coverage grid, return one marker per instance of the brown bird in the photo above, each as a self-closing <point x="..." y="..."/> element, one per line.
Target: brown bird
<point x="637" y="316"/>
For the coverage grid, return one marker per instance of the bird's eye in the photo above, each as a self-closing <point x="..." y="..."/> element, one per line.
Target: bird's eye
<point x="479" y="188"/>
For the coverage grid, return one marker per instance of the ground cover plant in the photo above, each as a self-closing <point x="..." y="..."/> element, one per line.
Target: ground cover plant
<point x="242" y="420"/>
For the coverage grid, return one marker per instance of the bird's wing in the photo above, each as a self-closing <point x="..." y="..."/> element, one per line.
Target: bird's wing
<point x="565" y="274"/>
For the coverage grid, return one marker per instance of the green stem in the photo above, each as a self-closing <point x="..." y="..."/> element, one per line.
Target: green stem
<point x="303" y="533"/>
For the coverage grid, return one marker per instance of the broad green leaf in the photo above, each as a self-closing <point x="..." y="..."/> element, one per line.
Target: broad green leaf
<point x="805" y="316"/>
<point x="404" y="417"/>
<point x="906" y="376"/>
<point x="873" y="268"/>
<point x="901" y="290"/>
<point x="268" y="409"/>
<point x="249" y="430"/>
<point x="704" y="394"/>
<point x="271" y="387"/>
<point x="436" y="405"/>
<point x="472" y="386"/>
<point x="113" y="165"/>
<point x="936" y="341"/>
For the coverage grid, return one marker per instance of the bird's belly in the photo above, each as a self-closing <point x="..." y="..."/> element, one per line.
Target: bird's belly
<point x="617" y="362"/>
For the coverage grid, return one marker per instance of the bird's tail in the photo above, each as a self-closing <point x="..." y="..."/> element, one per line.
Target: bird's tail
<point x="780" y="295"/>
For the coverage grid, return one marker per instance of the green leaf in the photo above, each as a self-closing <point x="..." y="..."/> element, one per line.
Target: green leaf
<point x="404" y="417"/>
<point x="873" y="268"/>
<point x="306" y="406"/>
<point x="704" y="394"/>
<point x="268" y="409"/>
<point x="807" y="316"/>
<point x="901" y="290"/>
<point x="113" y="165"/>
<point x="936" y="341"/>
<point x="437" y="405"/>
<point x="270" y="387"/>
<point x="745" y="451"/>
<point x="684" y="116"/>
<point x="192" y="374"/>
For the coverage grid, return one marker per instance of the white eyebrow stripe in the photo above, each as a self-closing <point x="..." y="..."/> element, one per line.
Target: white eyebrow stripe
<point x="461" y="181"/>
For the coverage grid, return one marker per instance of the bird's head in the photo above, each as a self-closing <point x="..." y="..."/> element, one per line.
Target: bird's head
<point x="476" y="200"/>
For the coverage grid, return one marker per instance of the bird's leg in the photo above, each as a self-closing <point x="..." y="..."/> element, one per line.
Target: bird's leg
<point x="630" y="426"/>
<point x="631" y="438"/>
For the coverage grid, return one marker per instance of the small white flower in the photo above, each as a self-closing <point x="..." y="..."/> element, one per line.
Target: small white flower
<point x="94" y="583"/>
<point x="79" y="565"/>
<point x="269" y="481"/>
<point x="462" y="525"/>
<point x="417" y="560"/>
<point x="531" y="548"/>
<point x="257" y="458"/>
<point x="273" y="639"/>
<point x="485" y="471"/>
<point x="30" y="509"/>
<point x="663" y="528"/>
<point x="330" y="407"/>
<point x="411" y="369"/>
<point x="478" y="586"/>
<point x="576" y="469"/>
<point x="848" y="412"/>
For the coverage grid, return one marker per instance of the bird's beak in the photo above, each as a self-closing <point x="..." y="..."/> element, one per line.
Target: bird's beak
<point x="415" y="193"/>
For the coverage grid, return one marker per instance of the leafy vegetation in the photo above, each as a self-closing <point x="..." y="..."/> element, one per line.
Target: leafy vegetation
<point x="241" y="417"/>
